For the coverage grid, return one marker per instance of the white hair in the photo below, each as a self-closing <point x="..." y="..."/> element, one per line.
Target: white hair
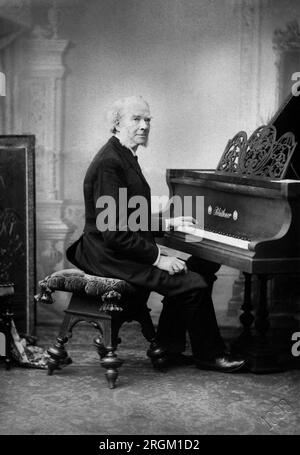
<point x="116" y="111"/>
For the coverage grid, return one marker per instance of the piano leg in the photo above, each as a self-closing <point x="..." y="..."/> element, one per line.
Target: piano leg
<point x="247" y="317"/>
<point x="262" y="358"/>
<point x="256" y="348"/>
<point x="244" y="342"/>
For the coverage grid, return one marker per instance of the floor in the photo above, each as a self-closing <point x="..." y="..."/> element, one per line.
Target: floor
<point x="183" y="401"/>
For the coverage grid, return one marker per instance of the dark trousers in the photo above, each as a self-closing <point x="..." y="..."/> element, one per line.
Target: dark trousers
<point x="187" y="308"/>
<point x="192" y="312"/>
<point x="187" y="304"/>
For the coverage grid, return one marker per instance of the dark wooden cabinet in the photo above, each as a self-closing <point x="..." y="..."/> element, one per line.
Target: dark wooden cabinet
<point x="17" y="225"/>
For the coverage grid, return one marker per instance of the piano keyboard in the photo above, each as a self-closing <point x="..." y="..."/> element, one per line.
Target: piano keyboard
<point x="215" y="236"/>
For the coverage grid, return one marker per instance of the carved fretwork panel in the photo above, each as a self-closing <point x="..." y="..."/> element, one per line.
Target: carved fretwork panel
<point x="262" y="155"/>
<point x="12" y="247"/>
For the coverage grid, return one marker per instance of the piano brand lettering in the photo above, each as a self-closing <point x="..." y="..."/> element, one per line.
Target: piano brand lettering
<point x="219" y="211"/>
<point x="133" y="214"/>
<point x="296" y="86"/>
<point x="2" y="84"/>
<point x="296" y="346"/>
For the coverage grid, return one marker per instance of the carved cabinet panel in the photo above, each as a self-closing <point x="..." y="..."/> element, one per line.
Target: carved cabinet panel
<point x="17" y="225"/>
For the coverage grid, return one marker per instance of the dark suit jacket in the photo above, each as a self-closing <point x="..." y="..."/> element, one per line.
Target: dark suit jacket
<point x="104" y="253"/>
<point x="126" y="254"/>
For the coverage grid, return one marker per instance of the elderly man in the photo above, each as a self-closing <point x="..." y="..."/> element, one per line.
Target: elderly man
<point x="133" y="255"/>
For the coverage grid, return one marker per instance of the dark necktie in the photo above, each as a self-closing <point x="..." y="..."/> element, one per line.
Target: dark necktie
<point x="138" y="164"/>
<point x="139" y="168"/>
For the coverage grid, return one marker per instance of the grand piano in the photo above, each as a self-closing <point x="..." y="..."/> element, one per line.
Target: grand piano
<point x="249" y="219"/>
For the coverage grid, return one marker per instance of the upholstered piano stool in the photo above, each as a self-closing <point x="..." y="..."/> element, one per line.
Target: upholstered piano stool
<point x="98" y="301"/>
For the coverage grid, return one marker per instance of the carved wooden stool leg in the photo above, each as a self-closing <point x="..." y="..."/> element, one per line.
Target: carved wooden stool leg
<point x="110" y="361"/>
<point x="57" y="352"/>
<point x="155" y="352"/>
<point x="98" y="340"/>
<point x="58" y="355"/>
<point x="100" y="347"/>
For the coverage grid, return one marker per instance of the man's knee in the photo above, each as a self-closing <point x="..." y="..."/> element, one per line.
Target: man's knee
<point x="203" y="267"/>
<point x="188" y="295"/>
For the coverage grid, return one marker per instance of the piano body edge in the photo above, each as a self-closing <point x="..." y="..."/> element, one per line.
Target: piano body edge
<point x="276" y="247"/>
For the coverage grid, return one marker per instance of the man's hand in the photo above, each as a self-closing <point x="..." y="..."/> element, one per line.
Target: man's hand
<point x="187" y="221"/>
<point x="171" y="265"/>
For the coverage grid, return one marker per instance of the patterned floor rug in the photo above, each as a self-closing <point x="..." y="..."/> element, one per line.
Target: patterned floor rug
<point x="183" y="401"/>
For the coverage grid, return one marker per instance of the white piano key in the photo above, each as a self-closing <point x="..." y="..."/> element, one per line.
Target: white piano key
<point x="214" y="236"/>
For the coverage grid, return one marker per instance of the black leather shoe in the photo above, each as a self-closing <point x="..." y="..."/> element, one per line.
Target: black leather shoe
<point x="224" y="363"/>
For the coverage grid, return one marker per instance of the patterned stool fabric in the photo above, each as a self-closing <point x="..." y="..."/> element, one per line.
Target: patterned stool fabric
<point x="109" y="290"/>
<point x="100" y="302"/>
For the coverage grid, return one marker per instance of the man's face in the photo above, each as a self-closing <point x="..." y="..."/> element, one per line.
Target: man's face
<point x="134" y="125"/>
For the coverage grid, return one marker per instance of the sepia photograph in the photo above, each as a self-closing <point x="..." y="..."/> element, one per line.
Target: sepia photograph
<point x="149" y="221"/>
